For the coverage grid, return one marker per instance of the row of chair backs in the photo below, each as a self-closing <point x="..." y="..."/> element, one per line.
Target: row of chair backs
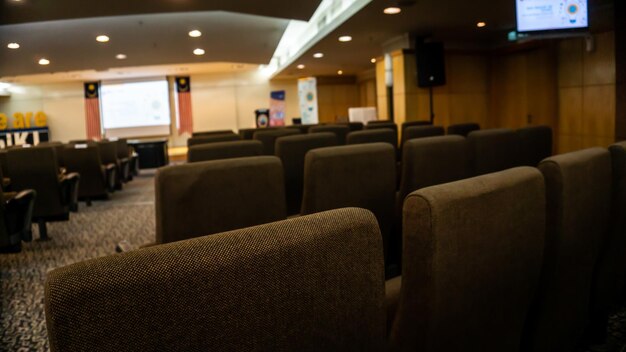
<point x="224" y="150"/>
<point x="307" y="284"/>
<point x="268" y="138"/>
<point x="211" y="133"/>
<point x="341" y="131"/>
<point x="204" y="139"/>
<point x="463" y="129"/>
<point x="381" y="135"/>
<point x="207" y="188"/>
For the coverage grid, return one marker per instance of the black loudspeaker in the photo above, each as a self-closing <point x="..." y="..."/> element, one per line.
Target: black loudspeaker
<point x="431" y="64"/>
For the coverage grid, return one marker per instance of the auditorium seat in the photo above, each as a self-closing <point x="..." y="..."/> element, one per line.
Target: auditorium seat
<point x="209" y="197"/>
<point x="354" y="126"/>
<point x="268" y="138"/>
<point x="463" y="129"/>
<point x="414" y="132"/>
<point x="536" y="144"/>
<point x="408" y="124"/>
<point x="494" y="150"/>
<point x="16" y="211"/>
<point x="5" y="180"/>
<point x="471" y="263"/>
<point x="292" y="150"/>
<point x="610" y="275"/>
<point x="311" y="283"/>
<point x="341" y="131"/>
<point x="578" y="193"/>
<point x="372" y="125"/>
<point x="124" y="156"/>
<point x="108" y="155"/>
<point x="360" y="175"/>
<point x="211" y="133"/>
<point x="224" y="150"/>
<point x="301" y="128"/>
<point x="382" y="135"/>
<point x="97" y="180"/>
<point x="37" y="169"/>
<point x="248" y="133"/>
<point x="212" y="139"/>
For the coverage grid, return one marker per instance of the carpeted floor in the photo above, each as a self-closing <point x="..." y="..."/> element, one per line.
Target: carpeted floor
<point x="93" y="232"/>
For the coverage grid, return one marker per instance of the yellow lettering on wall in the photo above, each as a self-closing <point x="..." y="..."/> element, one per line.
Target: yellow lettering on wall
<point x="29" y="115"/>
<point x="4" y="122"/>
<point x="41" y="120"/>
<point x="18" y="120"/>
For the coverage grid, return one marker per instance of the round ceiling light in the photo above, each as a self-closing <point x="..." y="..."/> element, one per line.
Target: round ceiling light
<point x="300" y="67"/>
<point x="340" y="72"/>
<point x="481" y="24"/>
<point x="195" y="33"/>
<point x="318" y="55"/>
<point x="120" y="56"/>
<point x="345" y="38"/>
<point x="392" y="10"/>
<point x="102" y="38"/>
<point x="13" y="46"/>
<point x="373" y="60"/>
<point x="44" y="61"/>
<point x="198" y="52"/>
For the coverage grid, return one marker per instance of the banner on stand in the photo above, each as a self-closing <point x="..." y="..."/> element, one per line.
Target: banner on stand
<point x="307" y="92"/>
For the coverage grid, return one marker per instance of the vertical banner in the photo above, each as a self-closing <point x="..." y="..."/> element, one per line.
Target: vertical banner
<point x="307" y="92"/>
<point x="92" y="110"/>
<point x="183" y="99"/>
<point x="277" y="108"/>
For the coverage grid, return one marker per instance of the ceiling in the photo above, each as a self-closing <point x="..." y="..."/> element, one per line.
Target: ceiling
<point x="453" y="21"/>
<point x="22" y="11"/>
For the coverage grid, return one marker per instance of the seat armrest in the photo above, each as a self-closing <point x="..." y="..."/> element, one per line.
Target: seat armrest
<point x="392" y="299"/>
<point x="69" y="189"/>
<point x="19" y="213"/>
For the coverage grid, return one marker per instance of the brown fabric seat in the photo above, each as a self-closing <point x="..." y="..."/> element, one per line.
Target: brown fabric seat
<point x="415" y="132"/>
<point x="302" y="128"/>
<point x="211" y="133"/>
<point x="224" y="150"/>
<point x="408" y="124"/>
<point x="16" y="211"/>
<point x="494" y="150"/>
<point x="268" y="138"/>
<point x="382" y="135"/>
<point x="124" y="156"/>
<point x="214" y="196"/>
<point x="536" y="144"/>
<point x="96" y="179"/>
<point x="463" y="129"/>
<point x="373" y="125"/>
<point x="578" y="193"/>
<point x="354" y="126"/>
<point x="341" y="131"/>
<point x="291" y="150"/>
<point x="472" y="262"/>
<point x="108" y="156"/>
<point x="248" y="133"/>
<point x="313" y="283"/>
<point x="360" y="175"/>
<point x="212" y="139"/>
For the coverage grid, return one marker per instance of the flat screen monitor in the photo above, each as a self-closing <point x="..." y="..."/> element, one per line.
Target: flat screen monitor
<point x="551" y="15"/>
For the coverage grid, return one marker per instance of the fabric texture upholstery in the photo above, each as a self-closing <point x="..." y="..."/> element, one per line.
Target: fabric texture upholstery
<point x="292" y="150"/>
<point x="209" y="197"/>
<point x="228" y="137"/>
<point x="536" y="144"/>
<point x="224" y="150"/>
<point x="381" y="135"/>
<point x="313" y="283"/>
<point x="463" y="129"/>
<point x="494" y="150"/>
<point x="578" y="193"/>
<point x="472" y="262"/>
<point x="372" y="125"/>
<point x="268" y="138"/>
<point x="341" y="131"/>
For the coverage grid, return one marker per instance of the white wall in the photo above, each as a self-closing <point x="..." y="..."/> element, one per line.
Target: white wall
<point x="219" y="101"/>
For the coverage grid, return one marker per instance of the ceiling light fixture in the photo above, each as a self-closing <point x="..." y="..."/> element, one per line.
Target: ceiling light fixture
<point x="44" y="61"/>
<point x="198" y="52"/>
<point x="373" y="60"/>
<point x="345" y="38"/>
<point x="300" y="67"/>
<point x="340" y="72"/>
<point x="120" y="56"/>
<point x="13" y="46"/>
<point x="392" y="10"/>
<point x="318" y="55"/>
<point x="195" y="33"/>
<point x="102" y="38"/>
<point x="481" y="24"/>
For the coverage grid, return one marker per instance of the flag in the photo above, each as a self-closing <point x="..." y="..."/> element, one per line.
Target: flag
<point x="185" y="120"/>
<point x="92" y="110"/>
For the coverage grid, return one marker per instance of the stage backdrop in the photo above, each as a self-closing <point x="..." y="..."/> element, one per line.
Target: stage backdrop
<point x="307" y="91"/>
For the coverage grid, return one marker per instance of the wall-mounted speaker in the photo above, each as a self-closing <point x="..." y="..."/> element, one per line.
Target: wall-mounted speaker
<point x="431" y="64"/>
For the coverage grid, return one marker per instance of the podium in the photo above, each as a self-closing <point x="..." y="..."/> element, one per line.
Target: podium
<point x="152" y="153"/>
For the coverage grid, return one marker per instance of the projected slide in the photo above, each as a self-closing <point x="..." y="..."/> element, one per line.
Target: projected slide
<point x="135" y="104"/>
<point x="545" y="15"/>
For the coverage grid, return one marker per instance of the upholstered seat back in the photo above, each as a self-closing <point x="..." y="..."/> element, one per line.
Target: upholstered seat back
<point x="209" y="197"/>
<point x="373" y="125"/>
<point x="292" y="150"/>
<point x="471" y="263"/>
<point x="415" y="132"/>
<point x="85" y="160"/>
<point x="211" y="133"/>
<point x="578" y="193"/>
<point x="312" y="283"/>
<point x="381" y="135"/>
<point x="536" y="144"/>
<point x="494" y="150"/>
<point x="229" y="137"/>
<point x="463" y="129"/>
<point x="341" y="131"/>
<point x="268" y="138"/>
<point x="224" y="150"/>
<point x="108" y="152"/>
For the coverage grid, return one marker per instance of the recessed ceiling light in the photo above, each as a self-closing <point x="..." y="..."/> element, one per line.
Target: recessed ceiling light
<point x="373" y="60"/>
<point x="102" y="38"/>
<point x="318" y="55"/>
<point x="345" y="38"/>
<point x="300" y="67"/>
<point x="198" y="51"/>
<point x="481" y="24"/>
<point x="340" y="72"/>
<point x="392" y="10"/>
<point x="44" y="61"/>
<point x="195" y="33"/>
<point x="120" y="56"/>
<point x="13" y="46"/>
